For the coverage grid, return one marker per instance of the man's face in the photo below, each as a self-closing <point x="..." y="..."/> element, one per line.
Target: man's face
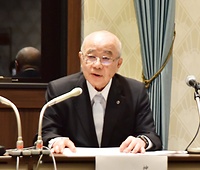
<point x="96" y="70"/>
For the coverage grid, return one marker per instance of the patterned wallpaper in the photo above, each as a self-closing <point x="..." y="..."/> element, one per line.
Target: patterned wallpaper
<point x="119" y="18"/>
<point x="184" y="114"/>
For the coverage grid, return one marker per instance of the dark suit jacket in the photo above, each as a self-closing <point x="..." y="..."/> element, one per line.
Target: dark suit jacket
<point x="127" y="113"/>
<point x="28" y="74"/>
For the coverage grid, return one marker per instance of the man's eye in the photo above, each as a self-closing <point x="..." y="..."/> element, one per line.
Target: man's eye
<point x="91" y="57"/>
<point x="105" y="58"/>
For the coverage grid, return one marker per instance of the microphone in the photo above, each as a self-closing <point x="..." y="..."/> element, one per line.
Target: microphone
<point x="75" y="92"/>
<point x="191" y="81"/>
<point x="19" y="144"/>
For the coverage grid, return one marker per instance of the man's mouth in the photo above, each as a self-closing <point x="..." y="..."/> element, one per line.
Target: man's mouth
<point x="97" y="75"/>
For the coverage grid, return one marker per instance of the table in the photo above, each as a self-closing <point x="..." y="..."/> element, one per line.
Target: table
<point x="175" y="162"/>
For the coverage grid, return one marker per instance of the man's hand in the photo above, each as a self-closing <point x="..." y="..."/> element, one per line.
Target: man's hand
<point x="133" y="144"/>
<point x="59" y="145"/>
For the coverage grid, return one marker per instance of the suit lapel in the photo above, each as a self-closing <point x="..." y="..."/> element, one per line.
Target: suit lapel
<point x="115" y="103"/>
<point x="84" y="111"/>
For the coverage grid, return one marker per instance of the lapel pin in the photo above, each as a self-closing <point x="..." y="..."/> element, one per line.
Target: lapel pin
<point x="118" y="102"/>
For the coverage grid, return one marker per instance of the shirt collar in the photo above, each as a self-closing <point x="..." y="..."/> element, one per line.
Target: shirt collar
<point x="93" y="91"/>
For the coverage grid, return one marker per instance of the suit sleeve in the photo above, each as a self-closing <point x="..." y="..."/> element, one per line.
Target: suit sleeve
<point x="145" y="122"/>
<point x="53" y="117"/>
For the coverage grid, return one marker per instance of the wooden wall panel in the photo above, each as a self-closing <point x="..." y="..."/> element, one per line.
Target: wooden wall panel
<point x="29" y="102"/>
<point x="24" y="98"/>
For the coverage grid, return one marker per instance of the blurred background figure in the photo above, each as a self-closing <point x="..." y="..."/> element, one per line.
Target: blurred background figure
<point x="27" y="63"/>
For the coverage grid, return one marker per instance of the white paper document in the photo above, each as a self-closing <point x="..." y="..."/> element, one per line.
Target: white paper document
<point x="92" y="152"/>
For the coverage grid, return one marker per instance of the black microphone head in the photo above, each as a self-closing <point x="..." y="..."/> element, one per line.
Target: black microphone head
<point x="191" y="81"/>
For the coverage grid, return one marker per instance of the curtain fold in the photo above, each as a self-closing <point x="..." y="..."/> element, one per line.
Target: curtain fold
<point x="156" y="30"/>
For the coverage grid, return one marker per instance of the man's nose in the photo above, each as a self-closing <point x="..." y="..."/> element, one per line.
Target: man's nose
<point x="97" y="63"/>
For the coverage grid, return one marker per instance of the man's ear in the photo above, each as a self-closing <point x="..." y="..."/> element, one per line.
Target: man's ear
<point x="17" y="66"/>
<point x="80" y="54"/>
<point x="120" y="61"/>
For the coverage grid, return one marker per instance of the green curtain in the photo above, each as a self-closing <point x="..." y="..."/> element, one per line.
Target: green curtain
<point x="156" y="30"/>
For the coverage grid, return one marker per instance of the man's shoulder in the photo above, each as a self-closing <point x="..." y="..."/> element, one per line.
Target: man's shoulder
<point x="67" y="82"/>
<point x="129" y="86"/>
<point x="66" y="79"/>
<point x="124" y="79"/>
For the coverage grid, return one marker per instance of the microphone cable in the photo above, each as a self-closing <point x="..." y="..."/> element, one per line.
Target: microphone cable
<point x="17" y="163"/>
<point x="194" y="136"/>
<point x="53" y="159"/>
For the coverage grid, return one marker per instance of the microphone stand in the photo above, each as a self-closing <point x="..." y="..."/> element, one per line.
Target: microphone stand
<point x="75" y="92"/>
<point x="19" y="143"/>
<point x="39" y="142"/>
<point x="195" y="150"/>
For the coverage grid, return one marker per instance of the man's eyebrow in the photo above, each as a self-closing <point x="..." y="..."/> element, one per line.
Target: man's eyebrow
<point x="108" y="52"/>
<point x="90" y="50"/>
<point x="105" y="51"/>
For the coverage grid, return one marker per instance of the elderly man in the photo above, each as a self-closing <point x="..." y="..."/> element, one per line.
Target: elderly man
<point x="125" y="119"/>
